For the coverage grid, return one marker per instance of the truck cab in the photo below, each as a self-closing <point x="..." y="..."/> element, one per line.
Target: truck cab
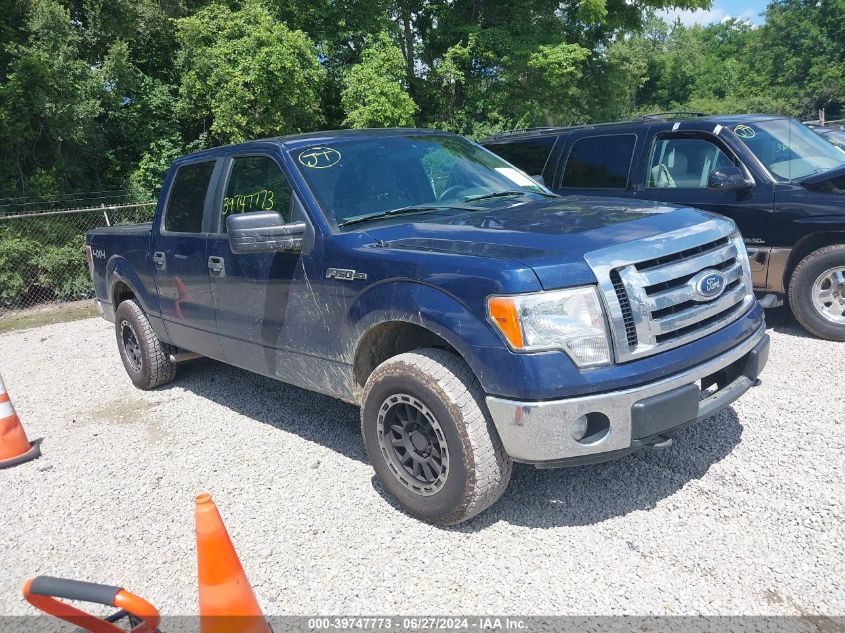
<point x="783" y="185"/>
<point x="476" y="317"/>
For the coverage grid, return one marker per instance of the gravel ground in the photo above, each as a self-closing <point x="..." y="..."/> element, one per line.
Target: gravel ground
<point x="743" y="515"/>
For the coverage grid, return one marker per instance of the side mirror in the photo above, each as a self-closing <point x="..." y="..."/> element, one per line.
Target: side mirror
<point x="263" y="232"/>
<point x="729" y="178"/>
<point x="539" y="180"/>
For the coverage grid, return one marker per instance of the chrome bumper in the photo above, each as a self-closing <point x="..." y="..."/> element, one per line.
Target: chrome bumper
<point x="622" y="421"/>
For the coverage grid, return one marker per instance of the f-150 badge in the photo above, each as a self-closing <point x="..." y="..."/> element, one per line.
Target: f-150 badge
<point x="344" y="274"/>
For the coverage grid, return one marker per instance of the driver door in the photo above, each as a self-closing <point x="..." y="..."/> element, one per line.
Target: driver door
<point x="678" y="169"/>
<point x="251" y="291"/>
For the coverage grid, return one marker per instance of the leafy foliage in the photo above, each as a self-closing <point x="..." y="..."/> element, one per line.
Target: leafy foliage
<point x="245" y="75"/>
<point x="100" y="94"/>
<point x="103" y="94"/>
<point x="374" y="93"/>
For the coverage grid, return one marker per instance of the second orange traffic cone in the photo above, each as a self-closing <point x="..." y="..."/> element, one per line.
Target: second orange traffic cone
<point x="15" y="448"/>
<point x="227" y="602"/>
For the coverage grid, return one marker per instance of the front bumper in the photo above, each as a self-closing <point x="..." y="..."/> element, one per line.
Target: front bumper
<point x="620" y="422"/>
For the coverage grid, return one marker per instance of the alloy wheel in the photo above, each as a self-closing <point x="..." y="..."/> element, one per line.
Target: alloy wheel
<point x="413" y="444"/>
<point x="828" y="295"/>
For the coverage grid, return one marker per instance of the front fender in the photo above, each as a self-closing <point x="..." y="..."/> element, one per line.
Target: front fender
<point x="428" y="307"/>
<point x="811" y="236"/>
<point x="819" y="223"/>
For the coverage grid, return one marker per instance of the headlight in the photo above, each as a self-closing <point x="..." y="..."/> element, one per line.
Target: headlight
<point x="570" y="320"/>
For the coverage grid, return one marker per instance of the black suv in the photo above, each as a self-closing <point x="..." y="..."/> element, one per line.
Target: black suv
<point x="781" y="183"/>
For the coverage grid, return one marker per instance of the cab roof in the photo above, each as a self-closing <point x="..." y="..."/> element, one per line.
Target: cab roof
<point x="690" y="119"/>
<point x="293" y="141"/>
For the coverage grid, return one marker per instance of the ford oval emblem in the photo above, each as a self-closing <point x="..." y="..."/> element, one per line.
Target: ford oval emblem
<point x="708" y="284"/>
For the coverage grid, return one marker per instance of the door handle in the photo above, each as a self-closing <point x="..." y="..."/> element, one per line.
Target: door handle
<point x="160" y="260"/>
<point x="217" y="266"/>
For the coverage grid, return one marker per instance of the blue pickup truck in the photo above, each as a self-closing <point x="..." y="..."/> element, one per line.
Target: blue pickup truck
<point x="476" y="318"/>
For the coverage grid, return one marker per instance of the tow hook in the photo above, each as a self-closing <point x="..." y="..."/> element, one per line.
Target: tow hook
<point x="660" y="442"/>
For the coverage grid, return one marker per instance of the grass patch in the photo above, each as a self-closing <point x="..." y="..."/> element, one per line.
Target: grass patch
<point x="47" y="316"/>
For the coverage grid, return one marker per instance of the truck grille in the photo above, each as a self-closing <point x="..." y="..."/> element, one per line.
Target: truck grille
<point x="625" y="305"/>
<point x="653" y="288"/>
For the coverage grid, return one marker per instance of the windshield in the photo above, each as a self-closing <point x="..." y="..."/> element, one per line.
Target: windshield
<point x="789" y="149"/>
<point x="365" y="177"/>
<point x="835" y="137"/>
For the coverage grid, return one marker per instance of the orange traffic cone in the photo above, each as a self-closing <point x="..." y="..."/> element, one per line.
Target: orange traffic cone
<point x="227" y="603"/>
<point x="15" y="448"/>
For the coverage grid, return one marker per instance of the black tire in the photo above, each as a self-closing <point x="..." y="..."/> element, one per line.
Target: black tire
<point x="439" y="391"/>
<point x="809" y="270"/>
<point x="145" y="357"/>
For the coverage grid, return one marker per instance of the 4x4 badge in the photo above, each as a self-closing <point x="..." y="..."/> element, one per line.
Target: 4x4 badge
<point x="344" y="274"/>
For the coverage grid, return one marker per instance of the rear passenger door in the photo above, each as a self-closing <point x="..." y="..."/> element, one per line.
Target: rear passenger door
<point x="179" y="260"/>
<point x="598" y="165"/>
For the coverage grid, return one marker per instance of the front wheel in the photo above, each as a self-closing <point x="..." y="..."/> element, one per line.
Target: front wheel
<point x="817" y="292"/>
<point x="145" y="358"/>
<point x="430" y="439"/>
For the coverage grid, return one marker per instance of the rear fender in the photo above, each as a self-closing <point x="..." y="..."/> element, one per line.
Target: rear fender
<point x="120" y="270"/>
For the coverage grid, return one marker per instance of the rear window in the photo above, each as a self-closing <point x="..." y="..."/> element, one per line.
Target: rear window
<point x="187" y="198"/>
<point x="530" y="155"/>
<point x="600" y="162"/>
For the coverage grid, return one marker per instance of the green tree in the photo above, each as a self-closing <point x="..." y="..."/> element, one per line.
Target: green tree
<point x="801" y="53"/>
<point x="549" y="82"/>
<point x="375" y="93"/>
<point x="137" y="112"/>
<point x="245" y="75"/>
<point x="48" y="104"/>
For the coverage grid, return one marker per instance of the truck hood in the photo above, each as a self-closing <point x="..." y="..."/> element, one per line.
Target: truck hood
<point x="551" y="236"/>
<point x="832" y="180"/>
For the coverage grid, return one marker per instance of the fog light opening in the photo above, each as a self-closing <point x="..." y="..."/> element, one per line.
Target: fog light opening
<point x="590" y="429"/>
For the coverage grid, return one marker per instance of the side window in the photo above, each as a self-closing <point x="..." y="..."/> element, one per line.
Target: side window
<point x="256" y="183"/>
<point x="530" y="155"/>
<point x="599" y="162"/>
<point x="683" y="163"/>
<point x="187" y="198"/>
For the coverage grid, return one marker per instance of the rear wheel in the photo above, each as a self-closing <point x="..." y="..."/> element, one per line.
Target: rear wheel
<point x="817" y="292"/>
<point x="145" y="358"/>
<point x="430" y="439"/>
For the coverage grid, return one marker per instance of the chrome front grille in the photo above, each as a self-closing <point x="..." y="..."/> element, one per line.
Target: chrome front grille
<point x="650" y="287"/>
<point x="625" y="306"/>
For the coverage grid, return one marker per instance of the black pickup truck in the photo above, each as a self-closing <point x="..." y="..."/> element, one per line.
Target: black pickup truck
<point x="781" y="183"/>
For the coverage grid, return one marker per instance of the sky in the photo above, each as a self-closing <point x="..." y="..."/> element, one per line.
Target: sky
<point x="721" y="10"/>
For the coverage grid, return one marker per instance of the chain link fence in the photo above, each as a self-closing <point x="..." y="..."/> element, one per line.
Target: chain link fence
<point x="42" y="249"/>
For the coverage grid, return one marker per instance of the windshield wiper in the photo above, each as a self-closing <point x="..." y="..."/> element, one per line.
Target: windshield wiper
<point x="414" y="208"/>
<point x="506" y="192"/>
<point x="417" y="208"/>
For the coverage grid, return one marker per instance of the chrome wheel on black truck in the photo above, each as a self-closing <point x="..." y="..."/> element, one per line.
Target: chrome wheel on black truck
<point x="817" y="292"/>
<point x="430" y="438"/>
